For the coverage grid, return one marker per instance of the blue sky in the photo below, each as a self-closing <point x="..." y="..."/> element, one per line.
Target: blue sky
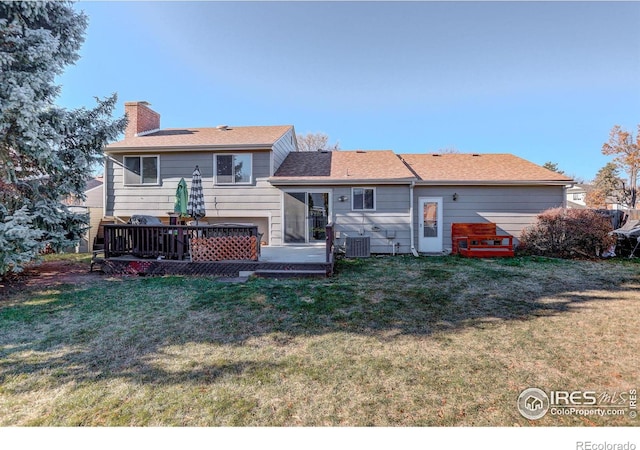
<point x="543" y="80"/>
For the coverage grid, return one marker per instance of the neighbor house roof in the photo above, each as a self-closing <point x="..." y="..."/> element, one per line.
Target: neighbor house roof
<point x="93" y="183"/>
<point x="190" y="138"/>
<point x="580" y="188"/>
<point x="342" y="166"/>
<point x="480" y="168"/>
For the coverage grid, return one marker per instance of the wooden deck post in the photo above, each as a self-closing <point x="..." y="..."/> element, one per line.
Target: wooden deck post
<point x="180" y="243"/>
<point x="329" y="242"/>
<point x="107" y="241"/>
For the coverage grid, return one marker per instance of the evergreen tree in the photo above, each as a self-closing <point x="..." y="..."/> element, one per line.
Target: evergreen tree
<point x="553" y="167"/>
<point x="46" y="152"/>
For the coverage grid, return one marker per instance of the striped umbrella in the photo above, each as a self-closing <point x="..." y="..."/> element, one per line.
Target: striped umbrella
<point x="195" y="207"/>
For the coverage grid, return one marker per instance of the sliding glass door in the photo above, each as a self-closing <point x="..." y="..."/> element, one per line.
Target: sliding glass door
<point x="306" y="214"/>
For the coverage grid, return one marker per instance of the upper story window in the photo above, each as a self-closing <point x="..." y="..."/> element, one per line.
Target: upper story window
<point x="233" y="169"/>
<point x="141" y="170"/>
<point x="363" y="199"/>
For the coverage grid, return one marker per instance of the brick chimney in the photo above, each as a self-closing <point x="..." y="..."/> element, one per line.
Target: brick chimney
<point x="142" y="119"/>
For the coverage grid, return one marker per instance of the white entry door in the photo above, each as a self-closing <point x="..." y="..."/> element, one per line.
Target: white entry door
<point x="430" y="228"/>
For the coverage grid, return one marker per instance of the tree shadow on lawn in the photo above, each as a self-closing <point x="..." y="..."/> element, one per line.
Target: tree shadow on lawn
<point x="117" y="329"/>
<point x="79" y="366"/>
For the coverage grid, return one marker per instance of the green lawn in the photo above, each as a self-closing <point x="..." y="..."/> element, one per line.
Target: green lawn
<point x="404" y="341"/>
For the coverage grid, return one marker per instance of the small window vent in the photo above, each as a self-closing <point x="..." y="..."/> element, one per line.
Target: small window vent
<point x="358" y="247"/>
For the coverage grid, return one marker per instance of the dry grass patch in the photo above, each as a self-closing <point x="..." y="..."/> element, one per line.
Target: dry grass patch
<point x="386" y="342"/>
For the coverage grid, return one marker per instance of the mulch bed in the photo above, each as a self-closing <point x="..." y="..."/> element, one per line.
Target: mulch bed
<point x="47" y="274"/>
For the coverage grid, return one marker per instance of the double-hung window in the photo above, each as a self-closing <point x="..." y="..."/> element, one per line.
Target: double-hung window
<point x="233" y="168"/>
<point x="141" y="170"/>
<point x="363" y="199"/>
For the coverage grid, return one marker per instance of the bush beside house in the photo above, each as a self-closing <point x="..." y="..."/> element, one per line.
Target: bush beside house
<point x="568" y="233"/>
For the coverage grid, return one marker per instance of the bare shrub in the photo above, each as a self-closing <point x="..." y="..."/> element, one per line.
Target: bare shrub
<point x="568" y="233"/>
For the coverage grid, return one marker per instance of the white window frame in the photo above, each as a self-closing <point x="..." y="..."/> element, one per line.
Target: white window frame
<point x="141" y="183"/>
<point x="353" y="206"/>
<point x="232" y="183"/>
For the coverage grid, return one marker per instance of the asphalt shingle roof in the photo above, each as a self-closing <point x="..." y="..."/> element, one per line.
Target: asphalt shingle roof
<point x="484" y="167"/>
<point x="343" y="165"/>
<point x="204" y="137"/>
<point x="385" y="165"/>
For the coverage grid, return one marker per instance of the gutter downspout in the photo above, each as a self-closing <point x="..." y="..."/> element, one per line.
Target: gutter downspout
<point x="412" y="239"/>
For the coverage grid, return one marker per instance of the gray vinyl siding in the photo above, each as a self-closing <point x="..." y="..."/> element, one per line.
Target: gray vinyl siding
<point x="259" y="200"/>
<point x="261" y="166"/>
<point x="283" y="146"/>
<point x="390" y="217"/>
<point x="511" y="208"/>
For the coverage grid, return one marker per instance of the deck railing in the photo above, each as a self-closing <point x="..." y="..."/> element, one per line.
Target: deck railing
<point x="166" y="241"/>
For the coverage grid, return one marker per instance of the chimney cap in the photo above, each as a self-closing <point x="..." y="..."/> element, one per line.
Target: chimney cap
<point x="136" y="103"/>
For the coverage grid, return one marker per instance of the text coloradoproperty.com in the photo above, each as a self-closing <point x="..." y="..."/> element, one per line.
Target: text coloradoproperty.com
<point x="567" y="411"/>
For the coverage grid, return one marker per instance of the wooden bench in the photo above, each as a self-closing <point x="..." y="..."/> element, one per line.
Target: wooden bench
<point x="480" y="240"/>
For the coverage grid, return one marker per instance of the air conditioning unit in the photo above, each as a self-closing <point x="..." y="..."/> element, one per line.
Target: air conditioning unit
<point x="358" y="247"/>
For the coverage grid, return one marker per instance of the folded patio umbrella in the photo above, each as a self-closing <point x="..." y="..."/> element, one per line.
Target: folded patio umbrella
<point x="182" y="198"/>
<point x="195" y="206"/>
<point x="631" y="229"/>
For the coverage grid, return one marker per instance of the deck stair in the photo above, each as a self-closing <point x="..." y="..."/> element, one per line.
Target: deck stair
<point x="97" y="253"/>
<point x="291" y="273"/>
<point x="98" y="242"/>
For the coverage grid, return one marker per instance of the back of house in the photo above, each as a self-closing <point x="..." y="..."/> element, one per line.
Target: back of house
<point x="255" y="174"/>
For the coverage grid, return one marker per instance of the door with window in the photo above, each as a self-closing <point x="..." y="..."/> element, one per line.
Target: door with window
<point x="306" y="215"/>
<point x="430" y="224"/>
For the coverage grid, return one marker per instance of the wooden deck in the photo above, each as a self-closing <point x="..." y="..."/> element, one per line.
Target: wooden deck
<point x="166" y="250"/>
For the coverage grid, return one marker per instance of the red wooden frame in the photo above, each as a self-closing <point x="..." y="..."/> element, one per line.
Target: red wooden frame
<point x="480" y="240"/>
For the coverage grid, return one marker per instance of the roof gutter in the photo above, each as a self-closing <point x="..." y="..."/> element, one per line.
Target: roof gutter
<point x="337" y="181"/>
<point x="496" y="183"/>
<point x="186" y="148"/>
